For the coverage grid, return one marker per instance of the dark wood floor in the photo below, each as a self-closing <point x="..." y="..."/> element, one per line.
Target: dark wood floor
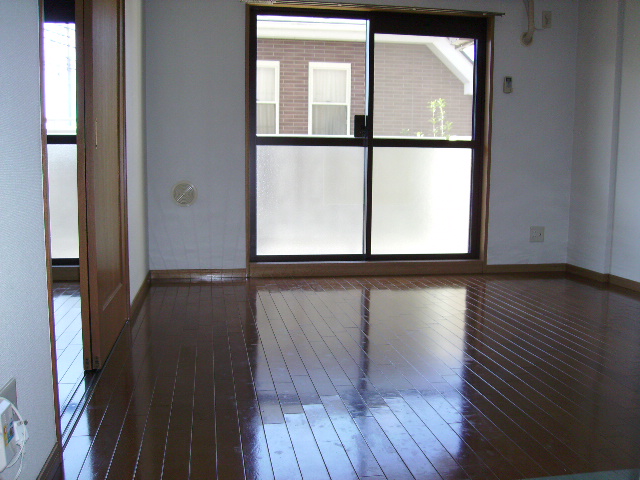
<point x="68" y="327"/>
<point x="457" y="377"/>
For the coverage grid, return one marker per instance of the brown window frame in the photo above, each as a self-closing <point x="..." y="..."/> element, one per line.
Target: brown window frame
<point x="466" y="25"/>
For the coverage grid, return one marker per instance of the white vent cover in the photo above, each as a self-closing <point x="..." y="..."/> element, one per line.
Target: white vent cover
<point x="184" y="194"/>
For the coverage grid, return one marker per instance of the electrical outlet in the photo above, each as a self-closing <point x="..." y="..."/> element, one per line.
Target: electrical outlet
<point x="546" y="19"/>
<point x="536" y="234"/>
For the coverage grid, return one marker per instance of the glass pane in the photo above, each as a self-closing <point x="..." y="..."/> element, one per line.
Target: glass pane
<point x="329" y="86"/>
<point x="329" y="120"/>
<point x="266" y="119"/>
<point x="423" y="87"/>
<point x="266" y="84"/>
<point x="421" y="200"/>
<point x="63" y="200"/>
<point x="309" y="200"/>
<point x="60" y="78"/>
<point x="299" y="42"/>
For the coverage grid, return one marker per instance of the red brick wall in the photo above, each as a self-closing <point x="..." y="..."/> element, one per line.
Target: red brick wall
<point x="408" y="77"/>
<point x="294" y="57"/>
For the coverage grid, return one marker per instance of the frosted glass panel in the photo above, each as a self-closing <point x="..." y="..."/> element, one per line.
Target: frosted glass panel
<point x="309" y="200"/>
<point x="63" y="200"/>
<point x="421" y="200"/>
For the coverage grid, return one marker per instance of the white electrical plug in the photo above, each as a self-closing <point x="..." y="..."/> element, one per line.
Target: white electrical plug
<point x="21" y="432"/>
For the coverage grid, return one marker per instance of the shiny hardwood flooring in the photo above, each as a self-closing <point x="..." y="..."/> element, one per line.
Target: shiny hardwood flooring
<point x="68" y="328"/>
<point x="439" y="377"/>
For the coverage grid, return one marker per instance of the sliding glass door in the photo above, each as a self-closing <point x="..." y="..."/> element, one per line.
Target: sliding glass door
<point x="308" y="169"/>
<point x="426" y="148"/>
<point x="366" y="135"/>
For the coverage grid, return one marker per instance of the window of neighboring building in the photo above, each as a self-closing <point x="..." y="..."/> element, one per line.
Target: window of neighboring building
<point x="268" y="97"/>
<point x="329" y="98"/>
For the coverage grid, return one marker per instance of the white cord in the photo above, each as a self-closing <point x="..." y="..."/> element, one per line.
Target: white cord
<point x="24" y="437"/>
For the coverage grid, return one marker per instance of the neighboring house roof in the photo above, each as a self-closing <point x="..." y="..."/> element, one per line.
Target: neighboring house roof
<point x="454" y="53"/>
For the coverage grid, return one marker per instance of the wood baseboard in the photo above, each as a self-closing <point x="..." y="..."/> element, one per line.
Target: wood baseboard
<point x="349" y="269"/>
<point x="604" y="278"/>
<point x="624" y="283"/>
<point x="525" y="268"/>
<point x="588" y="274"/>
<point x="198" y="276"/>
<point x="65" y="273"/>
<point x="52" y="465"/>
<point x="140" y="297"/>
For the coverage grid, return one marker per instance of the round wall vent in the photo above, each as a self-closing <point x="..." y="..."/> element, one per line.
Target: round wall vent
<point x="185" y="194"/>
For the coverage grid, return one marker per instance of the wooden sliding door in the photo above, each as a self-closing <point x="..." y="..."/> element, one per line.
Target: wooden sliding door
<point x="101" y="177"/>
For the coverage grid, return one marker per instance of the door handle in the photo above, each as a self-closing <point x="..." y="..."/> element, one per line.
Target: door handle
<point x="359" y="126"/>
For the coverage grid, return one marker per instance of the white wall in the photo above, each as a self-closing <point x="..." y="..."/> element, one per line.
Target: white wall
<point x="195" y="132"/>
<point x="195" y="63"/>
<point x="136" y="147"/>
<point x="626" y="233"/>
<point x="25" y="349"/>
<point x="595" y="138"/>
<point x="532" y="135"/>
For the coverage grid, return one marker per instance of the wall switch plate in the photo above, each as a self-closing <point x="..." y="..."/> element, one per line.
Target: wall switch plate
<point x="536" y="234"/>
<point x="546" y="19"/>
<point x="507" y="85"/>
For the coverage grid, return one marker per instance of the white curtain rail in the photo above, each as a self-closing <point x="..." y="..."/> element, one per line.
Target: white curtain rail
<point x="367" y="7"/>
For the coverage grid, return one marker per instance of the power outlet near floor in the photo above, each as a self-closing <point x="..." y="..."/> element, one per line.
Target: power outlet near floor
<point x="536" y="234"/>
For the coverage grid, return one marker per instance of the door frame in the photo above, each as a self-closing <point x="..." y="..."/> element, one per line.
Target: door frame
<point x="47" y="240"/>
<point x="88" y="295"/>
<point x="480" y="145"/>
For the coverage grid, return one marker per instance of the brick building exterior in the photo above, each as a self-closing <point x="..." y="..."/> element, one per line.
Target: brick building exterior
<point x="407" y="78"/>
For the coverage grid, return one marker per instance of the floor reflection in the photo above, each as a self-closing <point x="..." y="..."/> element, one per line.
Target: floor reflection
<point x="467" y="377"/>
<point x="73" y="381"/>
